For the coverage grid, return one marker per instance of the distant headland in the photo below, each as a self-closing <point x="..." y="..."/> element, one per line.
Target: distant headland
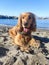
<point x="15" y="17"/>
<point x="8" y="17"/>
<point x="42" y="18"/>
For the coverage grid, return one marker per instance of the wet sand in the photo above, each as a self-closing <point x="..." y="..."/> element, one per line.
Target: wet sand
<point x="12" y="55"/>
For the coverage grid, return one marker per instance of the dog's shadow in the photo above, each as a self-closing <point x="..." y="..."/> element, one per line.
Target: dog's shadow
<point x="43" y="41"/>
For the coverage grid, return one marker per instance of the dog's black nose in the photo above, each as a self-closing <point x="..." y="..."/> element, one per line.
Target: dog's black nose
<point x="26" y="23"/>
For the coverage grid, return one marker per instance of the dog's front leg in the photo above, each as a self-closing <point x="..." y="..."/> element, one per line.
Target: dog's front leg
<point x="34" y="43"/>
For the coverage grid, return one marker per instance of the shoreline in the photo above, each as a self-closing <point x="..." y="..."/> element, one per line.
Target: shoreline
<point x="9" y="26"/>
<point x="44" y="30"/>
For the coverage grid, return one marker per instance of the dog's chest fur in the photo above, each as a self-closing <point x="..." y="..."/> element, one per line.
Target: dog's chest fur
<point x="24" y="37"/>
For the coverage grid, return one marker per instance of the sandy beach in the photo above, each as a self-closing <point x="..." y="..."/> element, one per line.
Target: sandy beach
<point x="12" y="55"/>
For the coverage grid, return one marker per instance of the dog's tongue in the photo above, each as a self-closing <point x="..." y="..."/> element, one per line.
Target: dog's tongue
<point x="26" y="29"/>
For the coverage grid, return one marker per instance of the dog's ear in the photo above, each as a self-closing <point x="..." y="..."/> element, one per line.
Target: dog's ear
<point x="33" y="25"/>
<point x="20" y="22"/>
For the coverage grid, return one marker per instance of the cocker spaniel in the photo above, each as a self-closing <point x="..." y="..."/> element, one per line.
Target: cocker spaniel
<point x="21" y="33"/>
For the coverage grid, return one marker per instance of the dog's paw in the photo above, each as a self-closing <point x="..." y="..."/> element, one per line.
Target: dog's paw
<point x="34" y="43"/>
<point x="25" y="49"/>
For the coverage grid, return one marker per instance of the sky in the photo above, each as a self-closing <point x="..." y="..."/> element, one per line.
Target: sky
<point x="16" y="7"/>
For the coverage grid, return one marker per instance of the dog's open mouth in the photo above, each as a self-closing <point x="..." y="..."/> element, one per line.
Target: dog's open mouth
<point x="26" y="29"/>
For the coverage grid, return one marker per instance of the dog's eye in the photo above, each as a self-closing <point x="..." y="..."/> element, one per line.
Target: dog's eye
<point x="23" y="17"/>
<point x="29" y="17"/>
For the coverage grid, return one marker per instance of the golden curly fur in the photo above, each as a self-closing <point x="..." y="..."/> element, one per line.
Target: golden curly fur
<point x="21" y="33"/>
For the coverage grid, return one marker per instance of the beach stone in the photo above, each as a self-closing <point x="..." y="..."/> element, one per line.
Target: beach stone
<point x="19" y="62"/>
<point x="47" y="46"/>
<point x="9" y="61"/>
<point x="47" y="56"/>
<point x="23" y="56"/>
<point x="12" y="53"/>
<point x="1" y="39"/>
<point x="1" y="63"/>
<point x="5" y="29"/>
<point x="42" y="59"/>
<point x="31" y="60"/>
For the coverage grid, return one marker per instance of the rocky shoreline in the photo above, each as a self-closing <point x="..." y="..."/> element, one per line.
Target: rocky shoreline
<point x="12" y="55"/>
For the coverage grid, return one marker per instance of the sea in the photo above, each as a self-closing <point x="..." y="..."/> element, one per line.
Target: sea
<point x="43" y="24"/>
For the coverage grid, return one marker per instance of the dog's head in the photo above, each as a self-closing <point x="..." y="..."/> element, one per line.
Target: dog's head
<point x="27" y="22"/>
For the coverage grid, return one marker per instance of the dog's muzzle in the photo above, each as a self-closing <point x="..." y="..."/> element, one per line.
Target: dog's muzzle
<point x="26" y="24"/>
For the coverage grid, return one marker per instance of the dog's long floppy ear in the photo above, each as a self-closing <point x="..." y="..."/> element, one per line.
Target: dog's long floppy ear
<point x="33" y="25"/>
<point x="20" y="22"/>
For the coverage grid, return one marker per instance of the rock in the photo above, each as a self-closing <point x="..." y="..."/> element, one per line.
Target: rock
<point x="1" y="63"/>
<point x="19" y="62"/>
<point x="32" y="60"/>
<point x="47" y="46"/>
<point x="47" y="56"/>
<point x="9" y="61"/>
<point x="42" y="59"/>
<point x="1" y="39"/>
